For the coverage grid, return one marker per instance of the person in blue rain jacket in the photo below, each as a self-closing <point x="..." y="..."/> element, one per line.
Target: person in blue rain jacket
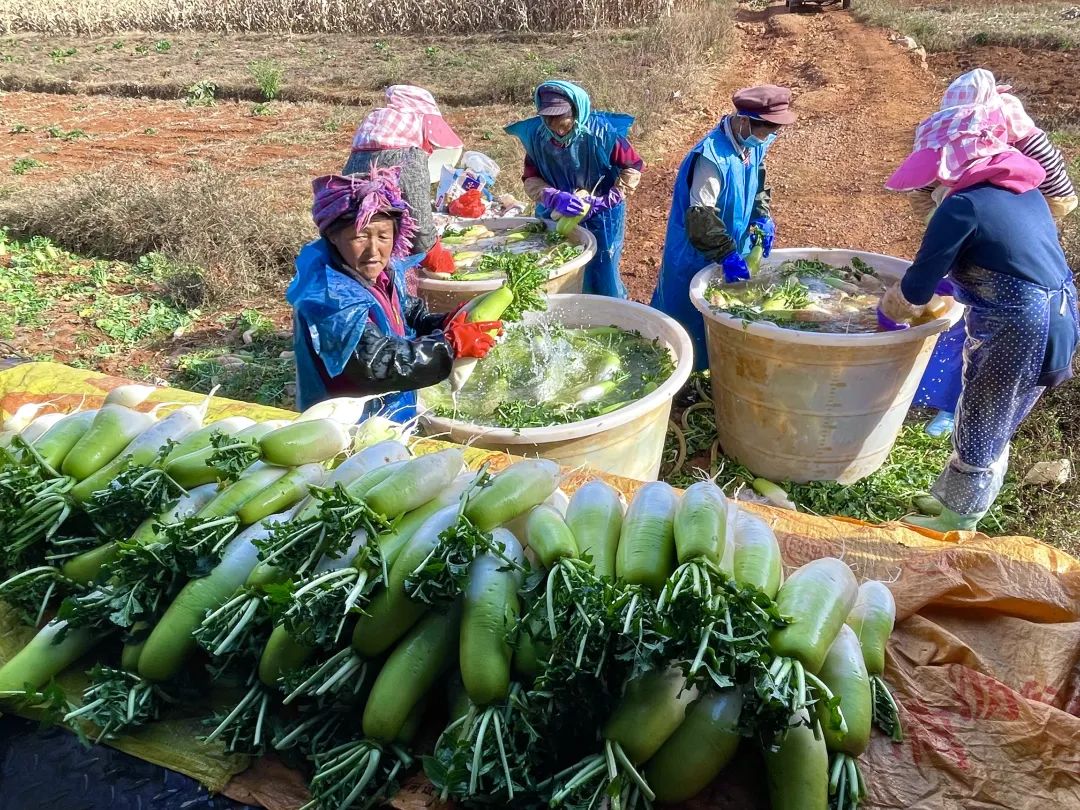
<point x="357" y="332"/>
<point x="720" y="205"/>
<point x="578" y="160"/>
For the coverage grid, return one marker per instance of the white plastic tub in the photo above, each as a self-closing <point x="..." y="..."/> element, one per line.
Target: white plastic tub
<point x="806" y="406"/>
<point x="442" y="295"/>
<point x="628" y="442"/>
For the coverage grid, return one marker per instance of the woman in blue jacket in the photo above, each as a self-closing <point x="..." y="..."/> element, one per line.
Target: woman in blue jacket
<point x="571" y="148"/>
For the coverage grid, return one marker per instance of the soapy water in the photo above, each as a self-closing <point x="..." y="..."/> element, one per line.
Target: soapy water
<point x="543" y="373"/>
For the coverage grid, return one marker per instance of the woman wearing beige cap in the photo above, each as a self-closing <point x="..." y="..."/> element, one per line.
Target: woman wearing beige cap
<point x="720" y="205"/>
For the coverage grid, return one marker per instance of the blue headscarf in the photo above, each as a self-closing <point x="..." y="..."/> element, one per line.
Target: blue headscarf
<point x="578" y="98"/>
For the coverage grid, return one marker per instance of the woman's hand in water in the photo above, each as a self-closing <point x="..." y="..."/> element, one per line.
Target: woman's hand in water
<point x="897" y="308"/>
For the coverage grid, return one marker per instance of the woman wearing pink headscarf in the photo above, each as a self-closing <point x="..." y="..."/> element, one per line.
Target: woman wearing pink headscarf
<point x="994" y="238"/>
<point x="940" y="386"/>
<point x="357" y="331"/>
<point x="404" y="133"/>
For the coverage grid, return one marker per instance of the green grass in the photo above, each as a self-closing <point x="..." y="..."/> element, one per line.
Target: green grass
<point x="948" y="27"/>
<point x="1051" y="432"/>
<point x="264" y="376"/>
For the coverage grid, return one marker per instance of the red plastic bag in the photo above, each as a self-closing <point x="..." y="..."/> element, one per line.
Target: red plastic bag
<point x="469" y="205"/>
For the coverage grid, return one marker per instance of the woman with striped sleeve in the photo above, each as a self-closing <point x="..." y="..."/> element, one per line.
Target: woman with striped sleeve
<point x="940" y="387"/>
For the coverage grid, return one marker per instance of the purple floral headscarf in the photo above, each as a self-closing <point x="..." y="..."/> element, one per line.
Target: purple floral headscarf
<point x="362" y="196"/>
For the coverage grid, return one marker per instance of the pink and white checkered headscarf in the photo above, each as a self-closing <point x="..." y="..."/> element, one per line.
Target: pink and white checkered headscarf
<point x="410" y="118"/>
<point x="979" y="88"/>
<point x="969" y="140"/>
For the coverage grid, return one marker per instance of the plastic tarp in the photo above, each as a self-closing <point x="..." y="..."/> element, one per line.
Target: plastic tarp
<point x="985" y="658"/>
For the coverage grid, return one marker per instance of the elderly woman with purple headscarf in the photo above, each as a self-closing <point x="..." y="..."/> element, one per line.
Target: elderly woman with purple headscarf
<point x="357" y="331"/>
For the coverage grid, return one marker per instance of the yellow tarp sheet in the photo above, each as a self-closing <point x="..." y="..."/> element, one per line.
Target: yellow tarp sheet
<point x="985" y="660"/>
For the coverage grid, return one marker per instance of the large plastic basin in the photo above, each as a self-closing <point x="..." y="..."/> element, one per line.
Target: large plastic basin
<point x="804" y="406"/>
<point x="628" y="442"/>
<point x="442" y="295"/>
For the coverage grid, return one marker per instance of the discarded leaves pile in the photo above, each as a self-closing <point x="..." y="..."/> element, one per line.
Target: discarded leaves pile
<point x="335" y="584"/>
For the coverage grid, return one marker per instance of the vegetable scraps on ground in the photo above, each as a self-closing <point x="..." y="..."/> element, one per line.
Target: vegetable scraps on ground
<point x="325" y="594"/>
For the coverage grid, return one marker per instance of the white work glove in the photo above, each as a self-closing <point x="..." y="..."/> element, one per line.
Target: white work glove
<point x="894" y="306"/>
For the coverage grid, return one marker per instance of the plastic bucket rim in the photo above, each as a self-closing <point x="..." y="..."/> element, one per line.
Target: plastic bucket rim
<point x="769" y="330"/>
<point x="580" y="236"/>
<point x="665" y="392"/>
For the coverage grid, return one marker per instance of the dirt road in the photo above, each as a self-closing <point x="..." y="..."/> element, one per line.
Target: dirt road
<point x="859" y="98"/>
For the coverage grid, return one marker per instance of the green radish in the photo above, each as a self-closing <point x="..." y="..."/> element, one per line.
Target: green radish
<point x="798" y="770"/>
<point x="193" y="469"/>
<point x="50" y="652"/>
<point x="549" y="537"/>
<point x="343" y="410"/>
<point x="595" y="516"/>
<point x="23" y="416"/>
<point x="85" y="568"/>
<point x="415" y="483"/>
<point x="142" y="451"/>
<point x="650" y="711"/>
<point x="774" y="494"/>
<point x="756" y="562"/>
<point x="36" y="429"/>
<point x="817" y="598"/>
<point x="565" y="226"/>
<point x="129" y="655"/>
<point x="376" y="430"/>
<point x="282" y="654"/>
<point x="490" y="612"/>
<point x="200" y="439"/>
<point x="815" y="601"/>
<point x="393" y="541"/>
<point x="757" y="252"/>
<point x="230" y="499"/>
<point x="844" y="672"/>
<point x="391" y="612"/>
<point x="700" y="525"/>
<point x="305" y="442"/>
<point x="646" y="555"/>
<point x="700" y="748"/>
<point x="129" y="396"/>
<point x="283" y="493"/>
<point x="57" y="441"/>
<point x="172" y="641"/>
<point x="512" y="492"/>
<point x="113" y="428"/>
<point x="426" y="653"/>
<point x="872" y="618"/>
<point x="487" y="306"/>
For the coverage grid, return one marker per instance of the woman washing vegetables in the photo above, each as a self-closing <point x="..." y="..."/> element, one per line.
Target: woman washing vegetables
<point x="578" y="163"/>
<point x="720" y="205"/>
<point x="357" y="331"/>
<point x="940" y="388"/>
<point x="994" y="237"/>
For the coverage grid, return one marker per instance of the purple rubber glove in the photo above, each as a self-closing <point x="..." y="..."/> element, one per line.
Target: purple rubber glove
<point x="945" y="288"/>
<point x="735" y="268"/>
<point x="605" y="202"/>
<point x="562" y="203"/>
<point x="768" y="234"/>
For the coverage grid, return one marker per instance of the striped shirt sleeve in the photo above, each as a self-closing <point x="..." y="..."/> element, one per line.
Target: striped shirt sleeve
<point x="1037" y="146"/>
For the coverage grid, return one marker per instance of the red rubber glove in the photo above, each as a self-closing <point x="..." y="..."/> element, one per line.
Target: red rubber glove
<point x="439" y="259"/>
<point x="472" y="339"/>
<point x="452" y="314"/>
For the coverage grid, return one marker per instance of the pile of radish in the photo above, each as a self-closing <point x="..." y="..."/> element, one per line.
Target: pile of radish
<point x="317" y="590"/>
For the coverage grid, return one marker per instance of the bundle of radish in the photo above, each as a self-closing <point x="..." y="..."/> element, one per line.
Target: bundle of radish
<point x="872" y="618"/>
<point x="815" y="601"/>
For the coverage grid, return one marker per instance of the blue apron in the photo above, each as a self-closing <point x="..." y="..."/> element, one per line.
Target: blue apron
<point x="681" y="261"/>
<point x="330" y="312"/>
<point x="941" y="382"/>
<point x="585" y="163"/>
